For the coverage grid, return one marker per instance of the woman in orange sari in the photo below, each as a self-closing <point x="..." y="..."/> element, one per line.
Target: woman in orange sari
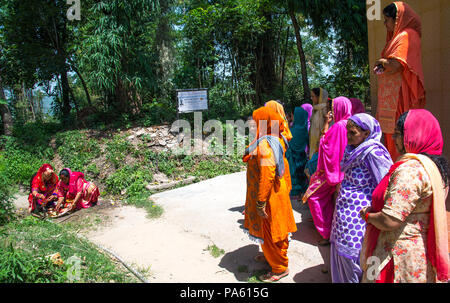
<point x="286" y="134"/>
<point x="269" y="219"/>
<point x="400" y="74"/>
<point x="43" y="189"/>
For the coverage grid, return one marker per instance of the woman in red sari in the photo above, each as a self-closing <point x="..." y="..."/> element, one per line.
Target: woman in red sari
<point x="406" y="238"/>
<point x="74" y="192"/>
<point x="400" y="74"/>
<point x="42" y="191"/>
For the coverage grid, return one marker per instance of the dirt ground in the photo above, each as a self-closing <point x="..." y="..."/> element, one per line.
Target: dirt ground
<point x="174" y="247"/>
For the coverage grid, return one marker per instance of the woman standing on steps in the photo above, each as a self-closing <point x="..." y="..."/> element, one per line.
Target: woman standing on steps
<point x="399" y="70"/>
<point x="269" y="218"/>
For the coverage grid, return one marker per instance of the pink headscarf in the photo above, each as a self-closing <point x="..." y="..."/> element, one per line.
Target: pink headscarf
<point x="357" y="106"/>
<point x="72" y="188"/>
<point x="332" y="145"/>
<point x="422" y="133"/>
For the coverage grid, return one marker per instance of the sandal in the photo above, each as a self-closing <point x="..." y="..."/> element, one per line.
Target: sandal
<point x="260" y="259"/>
<point x="271" y="277"/>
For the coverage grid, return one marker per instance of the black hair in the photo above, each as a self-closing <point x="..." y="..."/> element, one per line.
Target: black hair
<point x="390" y="11"/>
<point x="330" y="104"/>
<point x="316" y="91"/>
<point x="64" y="172"/>
<point x="440" y="160"/>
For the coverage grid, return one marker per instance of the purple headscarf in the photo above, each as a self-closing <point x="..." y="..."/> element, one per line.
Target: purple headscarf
<point x="380" y="163"/>
<point x="357" y="106"/>
<point x="309" y="109"/>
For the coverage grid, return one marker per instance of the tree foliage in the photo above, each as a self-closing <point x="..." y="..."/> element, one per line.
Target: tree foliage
<point x="125" y="59"/>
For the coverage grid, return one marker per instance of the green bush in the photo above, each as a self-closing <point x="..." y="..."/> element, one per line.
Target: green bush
<point x="117" y="149"/>
<point x="6" y="205"/>
<point x="35" y="137"/>
<point x="76" y="149"/>
<point x="157" y="112"/>
<point x="17" y="164"/>
<point x="17" y="266"/>
<point x="27" y="242"/>
<point x="123" y="178"/>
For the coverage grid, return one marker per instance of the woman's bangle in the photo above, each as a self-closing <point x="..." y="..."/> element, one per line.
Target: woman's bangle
<point x="366" y="217"/>
<point x="260" y="205"/>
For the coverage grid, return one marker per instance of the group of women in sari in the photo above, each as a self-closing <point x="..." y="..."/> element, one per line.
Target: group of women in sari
<point x="55" y="196"/>
<point x="380" y="207"/>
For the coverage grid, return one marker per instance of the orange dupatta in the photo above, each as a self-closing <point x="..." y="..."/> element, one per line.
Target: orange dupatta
<point x="266" y="186"/>
<point x="286" y="132"/>
<point x="400" y="92"/>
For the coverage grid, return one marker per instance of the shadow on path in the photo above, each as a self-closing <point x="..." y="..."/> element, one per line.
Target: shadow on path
<point x="312" y="275"/>
<point x="241" y="263"/>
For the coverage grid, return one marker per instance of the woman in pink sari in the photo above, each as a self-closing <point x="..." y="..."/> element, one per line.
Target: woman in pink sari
<point x="74" y="192"/>
<point x="323" y="184"/>
<point x="407" y="235"/>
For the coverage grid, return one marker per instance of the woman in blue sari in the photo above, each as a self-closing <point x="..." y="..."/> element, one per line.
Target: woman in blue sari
<point x="366" y="161"/>
<point x="296" y="153"/>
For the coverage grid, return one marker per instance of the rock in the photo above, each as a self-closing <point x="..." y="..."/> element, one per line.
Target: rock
<point x="129" y="138"/>
<point x="164" y="132"/>
<point x="162" y="142"/>
<point x="140" y="133"/>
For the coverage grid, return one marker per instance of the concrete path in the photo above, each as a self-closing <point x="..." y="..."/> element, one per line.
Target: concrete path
<point x="197" y="216"/>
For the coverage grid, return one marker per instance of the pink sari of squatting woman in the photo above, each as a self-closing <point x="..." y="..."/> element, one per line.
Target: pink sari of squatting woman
<point x="77" y="184"/>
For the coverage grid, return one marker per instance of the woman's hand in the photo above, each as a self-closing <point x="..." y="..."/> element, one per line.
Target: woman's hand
<point x="262" y="212"/>
<point x="364" y="211"/>
<point x="328" y="117"/>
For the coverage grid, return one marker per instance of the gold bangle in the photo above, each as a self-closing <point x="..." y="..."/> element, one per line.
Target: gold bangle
<point x="260" y="205"/>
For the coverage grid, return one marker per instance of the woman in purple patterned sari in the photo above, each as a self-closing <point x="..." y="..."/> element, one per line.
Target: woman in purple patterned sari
<point x="366" y="161"/>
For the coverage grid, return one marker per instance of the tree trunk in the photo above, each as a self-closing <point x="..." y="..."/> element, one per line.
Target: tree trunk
<point x="26" y="98"/>
<point x="5" y="113"/>
<point x="65" y="96"/>
<point x="283" y="63"/>
<point x="301" y="53"/>
<point x="265" y="78"/>
<point x="84" y="85"/>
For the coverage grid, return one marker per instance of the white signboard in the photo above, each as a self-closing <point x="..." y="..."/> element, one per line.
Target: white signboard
<point x="192" y="100"/>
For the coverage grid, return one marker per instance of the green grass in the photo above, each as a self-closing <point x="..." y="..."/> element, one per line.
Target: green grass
<point x="142" y="201"/>
<point x="76" y="149"/>
<point x="117" y="149"/>
<point x="25" y="243"/>
<point x="215" y="251"/>
<point x="254" y="278"/>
